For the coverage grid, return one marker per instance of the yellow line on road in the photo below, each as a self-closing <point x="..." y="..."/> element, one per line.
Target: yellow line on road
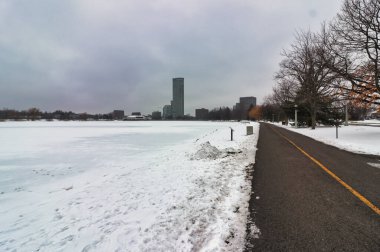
<point x="352" y="190"/>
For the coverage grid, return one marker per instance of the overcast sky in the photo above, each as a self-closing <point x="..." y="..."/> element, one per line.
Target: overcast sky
<point x="101" y="55"/>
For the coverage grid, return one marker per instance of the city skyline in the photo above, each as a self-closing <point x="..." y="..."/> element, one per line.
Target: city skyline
<point x="95" y="56"/>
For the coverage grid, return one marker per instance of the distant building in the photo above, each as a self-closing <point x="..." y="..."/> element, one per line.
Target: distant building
<point x="156" y="115"/>
<point x="178" y="104"/>
<point x="245" y="104"/>
<point x="135" y="118"/>
<point x="201" y="114"/>
<point x="167" y="112"/>
<point x="136" y="113"/>
<point x="118" y="115"/>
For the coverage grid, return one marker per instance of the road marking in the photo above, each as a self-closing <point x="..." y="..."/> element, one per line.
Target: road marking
<point x="352" y="190"/>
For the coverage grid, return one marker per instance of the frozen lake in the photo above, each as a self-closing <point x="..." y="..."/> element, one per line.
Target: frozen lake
<point x="123" y="186"/>
<point x="56" y="149"/>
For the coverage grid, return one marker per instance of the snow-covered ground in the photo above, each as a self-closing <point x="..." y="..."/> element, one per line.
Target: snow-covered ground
<point x="374" y="122"/>
<point x="124" y="186"/>
<point x="358" y="139"/>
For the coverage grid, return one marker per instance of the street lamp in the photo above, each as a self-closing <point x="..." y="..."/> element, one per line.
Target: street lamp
<point x="295" y="116"/>
<point x="346" y="119"/>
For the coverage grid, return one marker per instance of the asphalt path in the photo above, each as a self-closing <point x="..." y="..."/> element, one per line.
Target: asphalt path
<point x="298" y="206"/>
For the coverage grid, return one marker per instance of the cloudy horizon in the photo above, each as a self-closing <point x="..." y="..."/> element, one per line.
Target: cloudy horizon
<point x="96" y="56"/>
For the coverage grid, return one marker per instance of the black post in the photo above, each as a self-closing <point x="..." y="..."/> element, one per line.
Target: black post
<point x="336" y="125"/>
<point x="232" y="134"/>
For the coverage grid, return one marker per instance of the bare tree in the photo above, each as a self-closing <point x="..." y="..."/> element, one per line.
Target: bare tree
<point x="353" y="44"/>
<point x="33" y="114"/>
<point x="286" y="90"/>
<point x="304" y="74"/>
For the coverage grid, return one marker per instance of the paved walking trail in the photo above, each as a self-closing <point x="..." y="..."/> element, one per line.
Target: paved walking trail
<point x="298" y="206"/>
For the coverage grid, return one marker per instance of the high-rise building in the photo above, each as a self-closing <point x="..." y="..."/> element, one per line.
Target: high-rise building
<point x="167" y="112"/>
<point x="242" y="108"/>
<point x="246" y="102"/>
<point x="178" y="103"/>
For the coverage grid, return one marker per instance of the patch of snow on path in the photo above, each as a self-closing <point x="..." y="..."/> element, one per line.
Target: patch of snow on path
<point x="179" y="186"/>
<point x="376" y="165"/>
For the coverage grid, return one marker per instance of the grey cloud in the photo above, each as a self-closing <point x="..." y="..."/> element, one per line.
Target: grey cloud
<point x="96" y="56"/>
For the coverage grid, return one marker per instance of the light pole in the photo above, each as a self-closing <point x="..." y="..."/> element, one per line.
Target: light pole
<point x="295" y="116"/>
<point x="346" y="121"/>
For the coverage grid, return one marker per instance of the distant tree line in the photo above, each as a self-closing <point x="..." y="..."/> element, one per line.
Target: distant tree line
<point x="226" y="114"/>
<point x="222" y="113"/>
<point x="322" y="72"/>
<point x="33" y="114"/>
<point x="180" y="118"/>
<point x="36" y="114"/>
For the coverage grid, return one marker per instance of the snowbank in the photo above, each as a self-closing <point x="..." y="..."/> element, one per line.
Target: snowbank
<point x="357" y="139"/>
<point x="124" y="186"/>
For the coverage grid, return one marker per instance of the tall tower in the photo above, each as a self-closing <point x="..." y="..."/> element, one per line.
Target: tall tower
<point x="178" y="104"/>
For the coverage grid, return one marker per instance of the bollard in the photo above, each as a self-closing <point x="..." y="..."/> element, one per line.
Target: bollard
<point x="249" y="130"/>
<point x="232" y="134"/>
<point x="337" y="126"/>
